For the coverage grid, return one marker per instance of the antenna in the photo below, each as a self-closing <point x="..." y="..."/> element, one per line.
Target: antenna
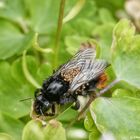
<point x="29" y="98"/>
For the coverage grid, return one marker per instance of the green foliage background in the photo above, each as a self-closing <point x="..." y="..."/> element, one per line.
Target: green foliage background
<point x="26" y="60"/>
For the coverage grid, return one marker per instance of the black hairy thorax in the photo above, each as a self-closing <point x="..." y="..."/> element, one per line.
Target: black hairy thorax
<point x="54" y="87"/>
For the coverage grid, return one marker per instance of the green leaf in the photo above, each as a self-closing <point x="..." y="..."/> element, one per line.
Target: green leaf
<point x="91" y="127"/>
<point x="73" y="43"/>
<point x="4" y="136"/>
<point x="95" y="135"/>
<point x="12" y="10"/>
<point x="86" y="13"/>
<point x="126" y="53"/>
<point x="85" y="17"/>
<point x="11" y="126"/>
<point x="113" y="6"/>
<point x="35" y="130"/>
<point x="117" y="115"/>
<point x="17" y="70"/>
<point x="103" y="34"/>
<point x="66" y="113"/>
<point x="76" y="28"/>
<point x="74" y="11"/>
<point x="122" y="84"/>
<point x="122" y="93"/>
<point x="43" y="15"/>
<point x="105" y="16"/>
<point x="12" y="40"/>
<point x="88" y="122"/>
<point x="77" y="133"/>
<point x="44" y="71"/>
<point x="126" y="93"/>
<point x="15" y="87"/>
<point x="54" y="131"/>
<point x="124" y="29"/>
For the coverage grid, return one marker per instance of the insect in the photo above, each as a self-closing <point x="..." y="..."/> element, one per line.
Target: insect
<point x="80" y="76"/>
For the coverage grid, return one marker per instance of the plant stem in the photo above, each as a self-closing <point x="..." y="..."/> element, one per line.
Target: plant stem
<point x="92" y="98"/>
<point x="74" y="11"/>
<point x="38" y="48"/>
<point x="59" y="29"/>
<point x="108" y="87"/>
<point x="27" y="74"/>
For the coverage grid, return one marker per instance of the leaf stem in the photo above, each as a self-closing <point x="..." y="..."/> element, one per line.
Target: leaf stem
<point x="58" y="33"/>
<point x="23" y="25"/>
<point x="101" y="92"/>
<point x="92" y="98"/>
<point x="38" y="48"/>
<point x="27" y="74"/>
<point x="74" y="11"/>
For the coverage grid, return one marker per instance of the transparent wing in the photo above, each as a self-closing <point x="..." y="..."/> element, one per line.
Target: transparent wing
<point x="90" y="70"/>
<point x="79" y="59"/>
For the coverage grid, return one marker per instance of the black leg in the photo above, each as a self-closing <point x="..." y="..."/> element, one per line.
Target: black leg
<point x="41" y="112"/>
<point x="65" y="100"/>
<point x="53" y="109"/>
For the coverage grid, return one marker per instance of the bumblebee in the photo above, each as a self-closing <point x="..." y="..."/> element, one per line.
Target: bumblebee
<point x="80" y="76"/>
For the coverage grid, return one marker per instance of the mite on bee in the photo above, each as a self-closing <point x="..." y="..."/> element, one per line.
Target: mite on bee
<point x="80" y="76"/>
